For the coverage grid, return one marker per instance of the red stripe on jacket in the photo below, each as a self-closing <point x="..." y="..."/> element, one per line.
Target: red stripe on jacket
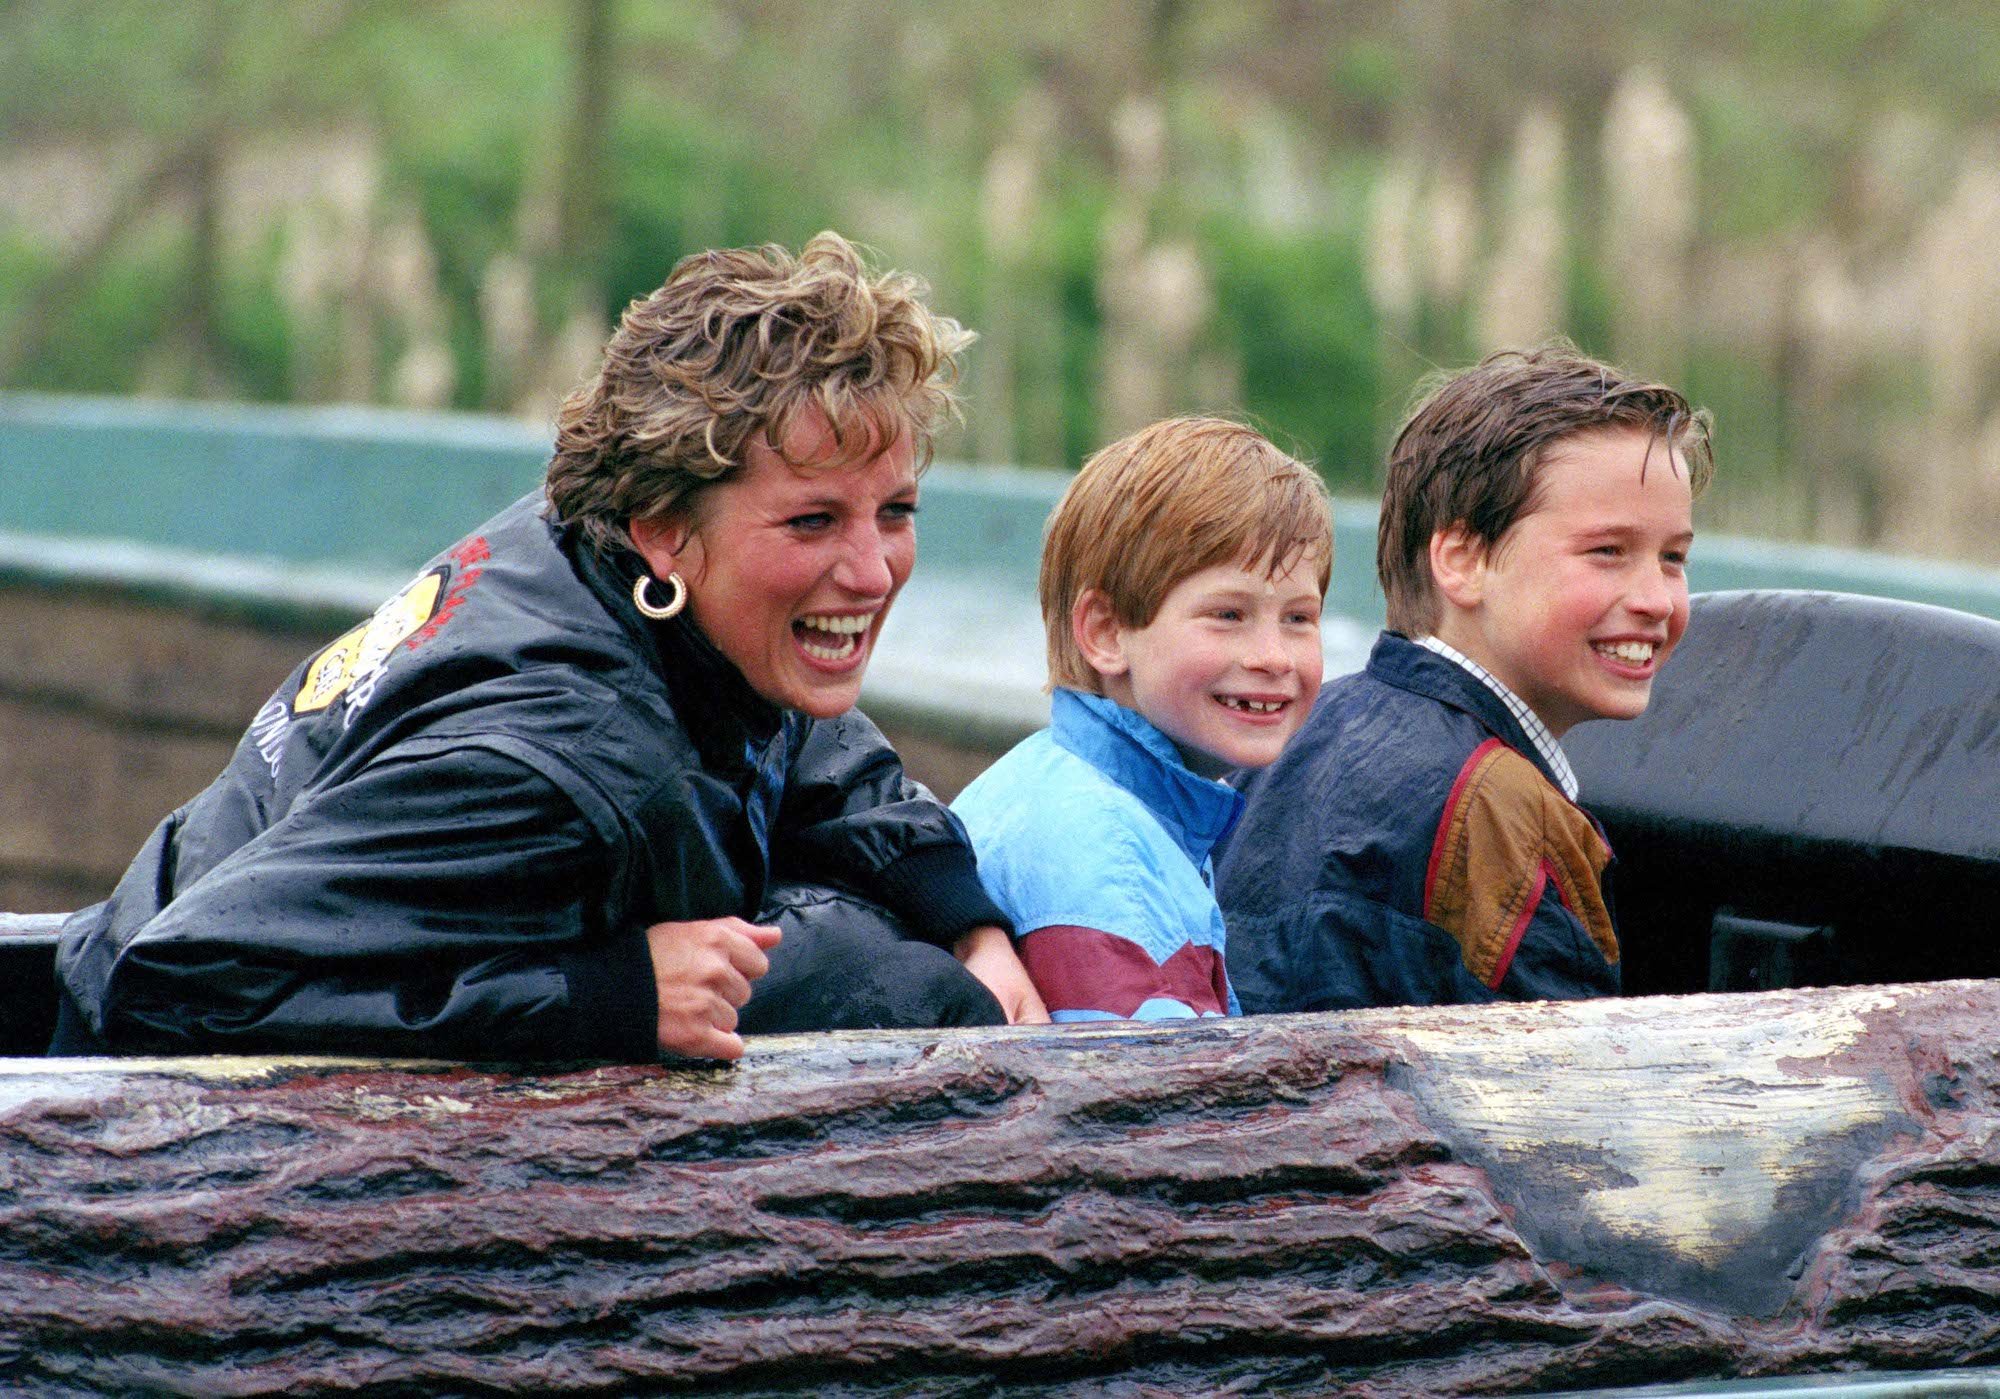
<point x="1084" y="969"/>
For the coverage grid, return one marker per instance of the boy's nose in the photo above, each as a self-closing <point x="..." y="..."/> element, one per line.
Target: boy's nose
<point x="1653" y="593"/>
<point x="1269" y="651"/>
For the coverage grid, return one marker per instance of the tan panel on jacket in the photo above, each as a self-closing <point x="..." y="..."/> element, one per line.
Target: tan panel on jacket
<point x="1507" y="832"/>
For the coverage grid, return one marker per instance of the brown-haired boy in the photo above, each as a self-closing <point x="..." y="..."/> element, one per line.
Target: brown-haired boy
<point x="1182" y="578"/>
<point x="1420" y="842"/>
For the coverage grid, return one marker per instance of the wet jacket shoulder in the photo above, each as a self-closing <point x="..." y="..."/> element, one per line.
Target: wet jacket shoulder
<point x="1410" y="848"/>
<point x="447" y="830"/>
<point x="1096" y="839"/>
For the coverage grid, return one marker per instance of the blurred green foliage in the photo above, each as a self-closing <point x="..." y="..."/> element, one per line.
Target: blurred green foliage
<point x="742" y="121"/>
<point x="1298" y="310"/>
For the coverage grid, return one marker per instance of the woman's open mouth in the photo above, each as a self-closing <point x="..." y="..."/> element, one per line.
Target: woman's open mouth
<point x="831" y="639"/>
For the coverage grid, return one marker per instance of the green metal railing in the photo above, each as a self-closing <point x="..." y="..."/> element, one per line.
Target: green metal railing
<point x="299" y="512"/>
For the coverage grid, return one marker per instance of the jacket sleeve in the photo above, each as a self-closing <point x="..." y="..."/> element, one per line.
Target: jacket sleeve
<point x="851" y="817"/>
<point x="1515" y="878"/>
<point x="1555" y="959"/>
<point x="446" y="903"/>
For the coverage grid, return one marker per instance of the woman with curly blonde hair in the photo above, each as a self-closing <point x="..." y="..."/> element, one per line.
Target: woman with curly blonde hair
<point x="596" y="770"/>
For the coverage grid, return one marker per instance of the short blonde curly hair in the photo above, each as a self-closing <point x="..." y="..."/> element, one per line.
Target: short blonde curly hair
<point x="744" y="341"/>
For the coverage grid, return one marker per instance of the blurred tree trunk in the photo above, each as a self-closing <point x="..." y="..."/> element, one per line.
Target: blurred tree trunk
<point x="583" y="209"/>
<point x="200" y="368"/>
<point x="1153" y="290"/>
<point x="567" y="245"/>
<point x="205" y="373"/>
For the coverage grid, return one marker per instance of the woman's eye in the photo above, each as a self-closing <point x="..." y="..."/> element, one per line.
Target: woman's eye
<point x="903" y="511"/>
<point x="810" y="523"/>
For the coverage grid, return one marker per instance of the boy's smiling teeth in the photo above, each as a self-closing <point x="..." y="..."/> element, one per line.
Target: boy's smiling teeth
<point x="1253" y="706"/>
<point x="1637" y="652"/>
<point x="829" y="638"/>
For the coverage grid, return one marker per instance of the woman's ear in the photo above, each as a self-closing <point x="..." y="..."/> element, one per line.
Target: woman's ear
<point x="1458" y="565"/>
<point x="1095" y="628"/>
<point x="667" y="544"/>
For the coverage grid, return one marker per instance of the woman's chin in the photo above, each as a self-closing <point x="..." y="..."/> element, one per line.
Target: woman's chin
<point x="825" y="700"/>
<point x="819" y="688"/>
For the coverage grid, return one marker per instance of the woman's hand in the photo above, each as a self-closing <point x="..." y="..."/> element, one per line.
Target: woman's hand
<point x="988" y="953"/>
<point x="702" y="971"/>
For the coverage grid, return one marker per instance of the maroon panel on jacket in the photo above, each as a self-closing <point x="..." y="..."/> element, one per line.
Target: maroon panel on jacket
<point x="1085" y="969"/>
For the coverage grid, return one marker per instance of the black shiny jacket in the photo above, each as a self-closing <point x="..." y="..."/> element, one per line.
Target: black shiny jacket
<point x="446" y="833"/>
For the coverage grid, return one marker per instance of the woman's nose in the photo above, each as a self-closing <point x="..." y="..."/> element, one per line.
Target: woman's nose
<point x="864" y="565"/>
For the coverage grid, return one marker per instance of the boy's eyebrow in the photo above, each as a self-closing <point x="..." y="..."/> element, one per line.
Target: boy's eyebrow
<point x="1616" y="531"/>
<point x="1233" y="591"/>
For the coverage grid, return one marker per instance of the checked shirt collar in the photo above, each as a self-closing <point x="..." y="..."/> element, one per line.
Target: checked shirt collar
<point x="1538" y="732"/>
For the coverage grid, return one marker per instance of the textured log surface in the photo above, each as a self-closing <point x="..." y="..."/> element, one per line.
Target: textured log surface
<point x="1382" y="1203"/>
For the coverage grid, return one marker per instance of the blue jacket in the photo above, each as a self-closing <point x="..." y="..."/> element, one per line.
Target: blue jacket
<point x="1410" y="848"/>
<point x="1096" y="839"/>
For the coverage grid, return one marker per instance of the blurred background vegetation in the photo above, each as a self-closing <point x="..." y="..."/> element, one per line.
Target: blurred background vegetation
<point x="1282" y="207"/>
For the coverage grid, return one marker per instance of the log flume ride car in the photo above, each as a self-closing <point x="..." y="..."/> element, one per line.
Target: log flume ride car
<point x="1501" y="1199"/>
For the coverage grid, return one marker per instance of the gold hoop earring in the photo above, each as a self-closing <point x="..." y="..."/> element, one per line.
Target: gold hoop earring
<point x="649" y="608"/>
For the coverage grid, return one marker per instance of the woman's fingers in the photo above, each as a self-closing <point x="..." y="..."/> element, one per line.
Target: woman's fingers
<point x="747" y="951"/>
<point x="707" y="1042"/>
<point x="702" y="970"/>
<point x="734" y="989"/>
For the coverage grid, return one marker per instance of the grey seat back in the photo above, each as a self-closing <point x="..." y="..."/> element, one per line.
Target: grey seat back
<point x="1812" y="797"/>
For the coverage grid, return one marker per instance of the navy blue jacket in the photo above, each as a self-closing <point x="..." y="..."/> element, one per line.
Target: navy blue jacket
<point x="1410" y="847"/>
<point x="447" y="832"/>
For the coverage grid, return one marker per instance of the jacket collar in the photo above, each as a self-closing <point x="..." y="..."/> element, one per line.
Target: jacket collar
<point x="723" y="716"/>
<point x="1121" y="744"/>
<point x="1401" y="662"/>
